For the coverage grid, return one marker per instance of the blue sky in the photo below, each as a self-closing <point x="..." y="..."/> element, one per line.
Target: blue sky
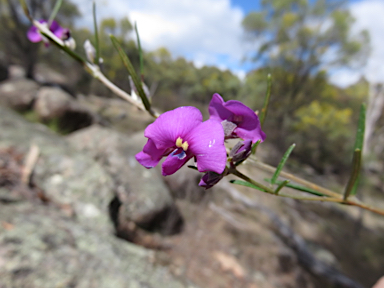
<point x="208" y="32"/>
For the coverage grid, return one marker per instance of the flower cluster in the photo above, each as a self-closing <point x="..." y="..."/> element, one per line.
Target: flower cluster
<point x="181" y="134"/>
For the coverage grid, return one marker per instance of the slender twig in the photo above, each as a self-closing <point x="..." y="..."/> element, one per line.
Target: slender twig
<point x="92" y="69"/>
<point x="296" y="179"/>
<point x="352" y="201"/>
<point x="30" y="162"/>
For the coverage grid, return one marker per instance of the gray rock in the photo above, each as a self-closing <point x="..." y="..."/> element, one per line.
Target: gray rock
<point x="66" y="176"/>
<point x="52" y="103"/>
<point x="143" y="196"/>
<point x="41" y="247"/>
<point x="18" y="94"/>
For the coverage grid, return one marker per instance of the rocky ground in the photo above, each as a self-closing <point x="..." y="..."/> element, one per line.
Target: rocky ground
<point x="86" y="214"/>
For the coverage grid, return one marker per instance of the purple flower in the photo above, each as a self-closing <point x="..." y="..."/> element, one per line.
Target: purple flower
<point x="180" y="135"/>
<point x="238" y="120"/>
<point x="34" y="35"/>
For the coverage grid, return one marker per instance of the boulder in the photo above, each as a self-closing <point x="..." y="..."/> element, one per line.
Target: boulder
<point x="52" y="103"/>
<point x="41" y="244"/>
<point x="142" y="196"/>
<point x="41" y="247"/>
<point x="18" y="94"/>
<point x="68" y="178"/>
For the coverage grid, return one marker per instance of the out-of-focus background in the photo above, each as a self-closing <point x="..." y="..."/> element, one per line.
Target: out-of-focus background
<point x="84" y="213"/>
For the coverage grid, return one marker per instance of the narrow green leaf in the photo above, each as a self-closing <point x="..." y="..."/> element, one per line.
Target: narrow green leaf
<point x="97" y="45"/>
<point x="359" y="142"/>
<point x="25" y="9"/>
<point x="254" y="147"/>
<point x="54" y="11"/>
<point x="281" y="164"/>
<point x="246" y="184"/>
<point x="360" y="128"/>
<point x="263" y="113"/>
<point x="192" y="167"/>
<point x="71" y="53"/>
<point x="281" y="185"/>
<point x="140" y="52"/>
<point x="132" y="72"/>
<point x="356" y="164"/>
<point x="299" y="188"/>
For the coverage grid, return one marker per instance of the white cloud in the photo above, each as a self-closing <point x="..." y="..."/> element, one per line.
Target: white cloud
<point x="199" y="30"/>
<point x="369" y="15"/>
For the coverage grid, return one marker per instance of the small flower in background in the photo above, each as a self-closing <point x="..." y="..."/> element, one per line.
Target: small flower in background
<point x="241" y="151"/>
<point x="179" y="135"/>
<point x="238" y="120"/>
<point x="35" y="36"/>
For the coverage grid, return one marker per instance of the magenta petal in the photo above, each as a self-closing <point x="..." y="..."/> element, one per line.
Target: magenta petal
<point x="173" y="124"/>
<point x="255" y="134"/>
<point x="33" y="35"/>
<point x="57" y="29"/>
<point x="206" y="142"/>
<point x="150" y="156"/>
<point x="172" y="164"/>
<point x="217" y="110"/>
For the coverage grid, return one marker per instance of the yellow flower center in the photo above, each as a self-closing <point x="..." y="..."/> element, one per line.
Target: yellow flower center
<point x="180" y="144"/>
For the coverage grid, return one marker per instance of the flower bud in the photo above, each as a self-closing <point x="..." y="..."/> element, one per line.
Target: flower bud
<point x="90" y="51"/>
<point x="210" y="178"/>
<point x="241" y="151"/>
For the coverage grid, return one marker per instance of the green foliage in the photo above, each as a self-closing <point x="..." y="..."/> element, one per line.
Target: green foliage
<point x="324" y="135"/>
<point x="296" y="41"/>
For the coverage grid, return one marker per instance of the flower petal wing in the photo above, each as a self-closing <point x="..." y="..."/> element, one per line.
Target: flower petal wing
<point x="206" y="142"/>
<point x="248" y="123"/>
<point x="173" y="124"/>
<point x="217" y="109"/>
<point x="255" y="134"/>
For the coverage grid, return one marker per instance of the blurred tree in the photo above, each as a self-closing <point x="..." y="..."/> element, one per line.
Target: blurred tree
<point x="14" y="26"/>
<point x="298" y="41"/>
<point x="302" y="38"/>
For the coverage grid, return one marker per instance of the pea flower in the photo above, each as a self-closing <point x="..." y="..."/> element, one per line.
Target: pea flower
<point x="238" y="120"/>
<point x="35" y="36"/>
<point x="179" y="135"/>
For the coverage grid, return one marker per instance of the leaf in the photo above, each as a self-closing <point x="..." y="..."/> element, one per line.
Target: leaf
<point x="359" y="143"/>
<point x="281" y="186"/>
<point x="192" y="167"/>
<point x="140" y="51"/>
<point x="97" y="46"/>
<point x="71" y="53"/>
<point x="25" y="9"/>
<point x="54" y="11"/>
<point x="281" y="164"/>
<point x="299" y="188"/>
<point x="246" y="184"/>
<point x="360" y="128"/>
<point x="356" y="164"/>
<point x="131" y="71"/>
<point x="254" y="147"/>
<point x="263" y="113"/>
